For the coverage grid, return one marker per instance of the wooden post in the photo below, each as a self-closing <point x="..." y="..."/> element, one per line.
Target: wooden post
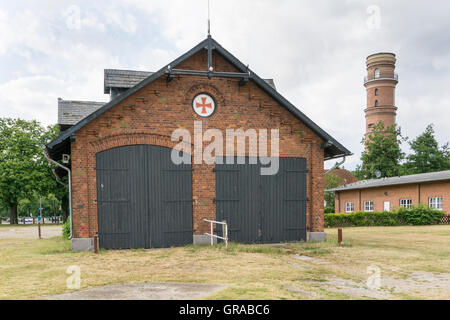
<point x="96" y="243"/>
<point x="340" y="236"/>
<point x="39" y="229"/>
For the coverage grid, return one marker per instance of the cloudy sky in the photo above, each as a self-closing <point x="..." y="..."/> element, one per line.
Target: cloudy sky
<point x="315" y="51"/>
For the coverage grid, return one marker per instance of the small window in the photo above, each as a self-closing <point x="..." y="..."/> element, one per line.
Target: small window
<point x="435" y="203"/>
<point x="376" y="92"/>
<point x="368" y="206"/>
<point x="406" y="203"/>
<point x="377" y="73"/>
<point x="376" y="103"/>
<point x="349" y="207"/>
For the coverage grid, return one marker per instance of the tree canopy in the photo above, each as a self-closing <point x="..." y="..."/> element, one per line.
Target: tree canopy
<point x="331" y="181"/>
<point x="426" y="154"/>
<point x="23" y="169"/>
<point x="382" y="153"/>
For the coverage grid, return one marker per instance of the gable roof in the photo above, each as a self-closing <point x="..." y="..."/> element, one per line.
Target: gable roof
<point x="346" y="176"/>
<point x="332" y="148"/>
<point x="70" y="112"/>
<point x="414" y="178"/>
<point x="125" y="79"/>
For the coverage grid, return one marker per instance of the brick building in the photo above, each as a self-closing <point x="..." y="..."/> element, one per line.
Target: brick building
<point x="126" y="188"/>
<point x="345" y="176"/>
<point x="432" y="189"/>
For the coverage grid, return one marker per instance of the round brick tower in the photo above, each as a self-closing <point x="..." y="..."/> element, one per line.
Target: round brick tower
<point x="380" y="84"/>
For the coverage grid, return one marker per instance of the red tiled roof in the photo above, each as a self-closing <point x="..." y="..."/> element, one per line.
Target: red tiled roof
<point x="345" y="175"/>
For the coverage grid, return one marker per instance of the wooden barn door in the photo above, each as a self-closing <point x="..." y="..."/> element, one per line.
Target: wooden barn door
<point x="144" y="200"/>
<point x="262" y="209"/>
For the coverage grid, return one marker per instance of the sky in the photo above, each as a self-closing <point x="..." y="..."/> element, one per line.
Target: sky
<point x="315" y="51"/>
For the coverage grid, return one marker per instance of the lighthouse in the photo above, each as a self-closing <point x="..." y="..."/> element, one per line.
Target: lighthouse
<point x="380" y="82"/>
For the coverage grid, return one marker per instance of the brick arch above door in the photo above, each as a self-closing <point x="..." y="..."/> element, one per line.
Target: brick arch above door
<point x="137" y="138"/>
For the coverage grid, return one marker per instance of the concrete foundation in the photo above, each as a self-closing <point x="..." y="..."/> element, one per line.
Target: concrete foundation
<point x="87" y="244"/>
<point x="203" y="239"/>
<point x="82" y="244"/>
<point x="316" y="236"/>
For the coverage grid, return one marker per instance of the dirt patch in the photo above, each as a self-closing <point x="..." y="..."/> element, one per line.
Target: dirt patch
<point x="298" y="266"/>
<point x="414" y="282"/>
<point x="353" y="289"/>
<point x="302" y="258"/>
<point x="298" y="290"/>
<point x="29" y="232"/>
<point x="144" y="291"/>
<point x="417" y="281"/>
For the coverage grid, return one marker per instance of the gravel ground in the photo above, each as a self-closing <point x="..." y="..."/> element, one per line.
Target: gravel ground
<point x="29" y="232"/>
<point x="143" y="291"/>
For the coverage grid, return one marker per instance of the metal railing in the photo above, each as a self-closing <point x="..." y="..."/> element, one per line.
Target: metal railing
<point x="382" y="76"/>
<point x="224" y="229"/>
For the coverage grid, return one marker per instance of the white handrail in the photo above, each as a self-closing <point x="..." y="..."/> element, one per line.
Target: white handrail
<point x="212" y="235"/>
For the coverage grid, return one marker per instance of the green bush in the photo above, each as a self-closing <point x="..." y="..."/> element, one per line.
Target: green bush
<point x="66" y="229"/>
<point x="329" y="209"/>
<point x="418" y="215"/>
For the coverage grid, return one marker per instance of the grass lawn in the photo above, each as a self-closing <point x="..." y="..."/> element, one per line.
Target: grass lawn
<point x="414" y="264"/>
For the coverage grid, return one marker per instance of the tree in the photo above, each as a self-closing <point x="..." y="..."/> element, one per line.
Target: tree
<point x="50" y="203"/>
<point x="23" y="168"/>
<point x="331" y="181"/>
<point x="382" y="152"/>
<point x="426" y="154"/>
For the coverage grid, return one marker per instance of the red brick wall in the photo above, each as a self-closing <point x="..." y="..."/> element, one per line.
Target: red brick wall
<point x="151" y="115"/>
<point x="419" y="193"/>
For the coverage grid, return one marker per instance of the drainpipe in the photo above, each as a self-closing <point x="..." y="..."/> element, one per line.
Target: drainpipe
<point x="58" y="179"/>
<point x="69" y="186"/>
<point x="336" y="166"/>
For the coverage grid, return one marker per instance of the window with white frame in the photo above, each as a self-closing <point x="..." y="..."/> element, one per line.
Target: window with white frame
<point x="349" y="207"/>
<point x="435" y="203"/>
<point x="368" y="206"/>
<point x="377" y="73"/>
<point x="406" y="203"/>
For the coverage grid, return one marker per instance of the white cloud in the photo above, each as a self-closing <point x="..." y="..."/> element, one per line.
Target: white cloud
<point x="30" y="98"/>
<point x="125" y="21"/>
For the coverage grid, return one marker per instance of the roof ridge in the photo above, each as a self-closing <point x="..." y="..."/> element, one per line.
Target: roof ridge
<point x="405" y="179"/>
<point x="82" y="101"/>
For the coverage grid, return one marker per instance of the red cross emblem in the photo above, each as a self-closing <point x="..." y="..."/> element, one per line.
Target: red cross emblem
<point x="204" y="105"/>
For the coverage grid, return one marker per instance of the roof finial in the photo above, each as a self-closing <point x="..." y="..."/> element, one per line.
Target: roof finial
<point x="209" y="21"/>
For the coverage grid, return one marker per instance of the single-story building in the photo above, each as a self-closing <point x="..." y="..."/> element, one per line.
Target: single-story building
<point x="127" y="188"/>
<point x="432" y="189"/>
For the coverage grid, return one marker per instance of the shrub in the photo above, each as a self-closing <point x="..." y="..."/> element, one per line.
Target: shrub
<point x="418" y="215"/>
<point x="66" y="229"/>
<point x="329" y="209"/>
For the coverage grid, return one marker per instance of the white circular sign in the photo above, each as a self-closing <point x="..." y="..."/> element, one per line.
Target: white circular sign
<point x="204" y="105"/>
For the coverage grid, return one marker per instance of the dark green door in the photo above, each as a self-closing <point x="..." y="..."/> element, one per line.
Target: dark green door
<point x="262" y="209"/>
<point x="144" y="200"/>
